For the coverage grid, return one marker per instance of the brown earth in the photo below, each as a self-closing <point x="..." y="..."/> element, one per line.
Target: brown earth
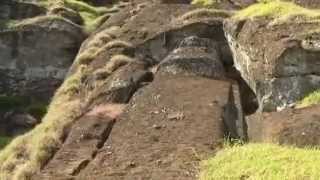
<point x="85" y="138"/>
<point x="150" y="38"/>
<point x="161" y="137"/>
<point x="300" y="127"/>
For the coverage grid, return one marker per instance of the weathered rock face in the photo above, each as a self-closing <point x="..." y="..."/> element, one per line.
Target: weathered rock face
<point x="298" y="127"/>
<point x="15" y="123"/>
<point x="308" y="3"/>
<point x="10" y="9"/>
<point x="195" y="56"/>
<point x="36" y="55"/>
<point x="152" y="86"/>
<point x="36" y="50"/>
<point x="279" y="62"/>
<point x="143" y="62"/>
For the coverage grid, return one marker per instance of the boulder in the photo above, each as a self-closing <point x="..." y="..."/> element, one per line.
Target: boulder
<point x="17" y="122"/>
<point x="16" y="10"/>
<point x="36" y="54"/>
<point x="278" y="61"/>
<point x="299" y="127"/>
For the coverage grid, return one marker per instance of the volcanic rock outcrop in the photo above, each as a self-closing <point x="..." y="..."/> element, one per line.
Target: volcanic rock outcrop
<point x="182" y="59"/>
<point x="281" y="74"/>
<point x="158" y="87"/>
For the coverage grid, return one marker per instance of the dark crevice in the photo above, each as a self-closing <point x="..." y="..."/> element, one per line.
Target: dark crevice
<point x="63" y="138"/>
<point x="103" y="139"/>
<point x="81" y="166"/>
<point x="299" y="75"/>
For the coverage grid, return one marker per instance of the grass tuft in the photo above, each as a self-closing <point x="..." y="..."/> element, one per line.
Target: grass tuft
<point x="262" y="162"/>
<point x="311" y="99"/>
<point x="117" y="61"/>
<point x="205" y="2"/>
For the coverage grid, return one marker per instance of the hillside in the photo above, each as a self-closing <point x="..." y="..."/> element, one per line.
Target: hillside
<point x="162" y="89"/>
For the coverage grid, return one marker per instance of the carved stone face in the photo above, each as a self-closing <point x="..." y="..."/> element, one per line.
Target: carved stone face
<point x="194" y="56"/>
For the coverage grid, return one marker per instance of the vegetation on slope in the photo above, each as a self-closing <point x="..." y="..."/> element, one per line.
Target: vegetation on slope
<point x="90" y="14"/>
<point x="280" y="11"/>
<point x="262" y="162"/>
<point x="27" y="153"/>
<point x="311" y="99"/>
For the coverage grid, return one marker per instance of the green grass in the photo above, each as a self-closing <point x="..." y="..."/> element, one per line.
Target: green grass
<point x="4" y="141"/>
<point x="276" y="9"/>
<point x="205" y="2"/>
<point x="90" y="14"/>
<point x="81" y="6"/>
<point x="262" y="162"/>
<point x="311" y="99"/>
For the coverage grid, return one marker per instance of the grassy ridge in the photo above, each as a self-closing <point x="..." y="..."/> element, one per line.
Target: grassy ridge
<point x="276" y="9"/>
<point x="262" y="162"/>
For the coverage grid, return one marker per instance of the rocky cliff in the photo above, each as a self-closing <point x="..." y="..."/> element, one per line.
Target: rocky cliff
<point x="152" y="88"/>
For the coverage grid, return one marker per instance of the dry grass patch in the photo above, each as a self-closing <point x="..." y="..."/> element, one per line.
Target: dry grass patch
<point x="117" y="61"/>
<point x="114" y="44"/>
